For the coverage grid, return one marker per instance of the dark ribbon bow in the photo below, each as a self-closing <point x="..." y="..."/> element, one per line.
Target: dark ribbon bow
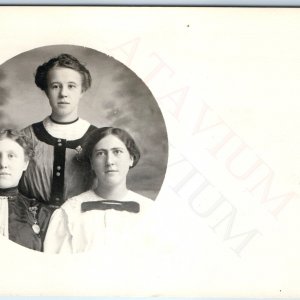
<point x="129" y="206"/>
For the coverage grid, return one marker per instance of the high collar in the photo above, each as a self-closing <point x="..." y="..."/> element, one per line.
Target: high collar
<point x="9" y="192"/>
<point x="70" y="132"/>
<point x="63" y="123"/>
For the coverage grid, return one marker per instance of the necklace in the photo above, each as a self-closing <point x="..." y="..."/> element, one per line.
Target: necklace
<point x="63" y="123"/>
<point x="35" y="227"/>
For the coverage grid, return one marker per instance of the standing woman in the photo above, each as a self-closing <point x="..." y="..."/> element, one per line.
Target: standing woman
<point x="54" y="174"/>
<point x="22" y="220"/>
<point x="105" y="215"/>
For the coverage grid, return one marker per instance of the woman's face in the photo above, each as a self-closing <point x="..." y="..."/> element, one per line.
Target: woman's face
<point x="64" y="90"/>
<point x="111" y="161"/>
<point x="12" y="163"/>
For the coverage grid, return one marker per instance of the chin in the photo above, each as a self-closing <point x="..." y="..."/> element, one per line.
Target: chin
<point x="4" y="185"/>
<point x="112" y="182"/>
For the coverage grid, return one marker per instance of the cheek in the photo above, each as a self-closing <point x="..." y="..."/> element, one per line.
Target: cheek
<point x="50" y="95"/>
<point x="96" y="165"/>
<point x="20" y="166"/>
<point x="48" y="92"/>
<point x="126" y="165"/>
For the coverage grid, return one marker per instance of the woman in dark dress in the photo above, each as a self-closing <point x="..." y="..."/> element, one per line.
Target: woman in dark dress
<point x="54" y="174"/>
<point x="22" y="220"/>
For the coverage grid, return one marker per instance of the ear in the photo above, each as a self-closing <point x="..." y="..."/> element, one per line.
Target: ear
<point x="131" y="161"/>
<point x="82" y="90"/>
<point x="26" y="163"/>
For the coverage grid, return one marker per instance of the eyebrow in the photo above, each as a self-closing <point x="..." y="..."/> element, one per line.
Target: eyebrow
<point x="114" y="148"/>
<point x="12" y="152"/>
<point x="52" y="82"/>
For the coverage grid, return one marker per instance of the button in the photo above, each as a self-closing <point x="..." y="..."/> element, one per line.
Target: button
<point x="56" y="199"/>
<point x="58" y="168"/>
<point x="59" y="140"/>
<point x="59" y="144"/>
<point x="57" y="174"/>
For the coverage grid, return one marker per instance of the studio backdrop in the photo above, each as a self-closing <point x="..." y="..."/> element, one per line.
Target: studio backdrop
<point x="117" y="97"/>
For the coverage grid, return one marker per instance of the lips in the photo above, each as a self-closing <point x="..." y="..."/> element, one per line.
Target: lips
<point x="111" y="171"/>
<point x="4" y="174"/>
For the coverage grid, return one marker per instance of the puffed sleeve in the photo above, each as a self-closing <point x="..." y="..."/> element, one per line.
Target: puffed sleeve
<point x="58" y="237"/>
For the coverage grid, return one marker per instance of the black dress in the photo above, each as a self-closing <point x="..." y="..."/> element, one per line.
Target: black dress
<point x="23" y="213"/>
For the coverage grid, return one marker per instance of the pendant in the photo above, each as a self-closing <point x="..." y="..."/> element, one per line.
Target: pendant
<point x="36" y="228"/>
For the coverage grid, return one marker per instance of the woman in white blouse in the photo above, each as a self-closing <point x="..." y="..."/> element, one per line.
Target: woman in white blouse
<point x="107" y="214"/>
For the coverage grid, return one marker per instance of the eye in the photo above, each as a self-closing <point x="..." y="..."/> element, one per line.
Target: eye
<point x="72" y="86"/>
<point x="100" y="153"/>
<point x="11" y="155"/>
<point x="54" y="86"/>
<point x="118" y="151"/>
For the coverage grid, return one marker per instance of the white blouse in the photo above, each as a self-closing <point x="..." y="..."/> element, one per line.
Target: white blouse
<point x="4" y="216"/>
<point x="73" y="231"/>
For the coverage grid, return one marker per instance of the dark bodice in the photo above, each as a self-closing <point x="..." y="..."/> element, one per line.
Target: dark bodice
<point x="55" y="174"/>
<point x="21" y="218"/>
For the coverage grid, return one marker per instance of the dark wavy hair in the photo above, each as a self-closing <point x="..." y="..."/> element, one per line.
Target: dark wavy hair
<point x="19" y="138"/>
<point x="98" y="134"/>
<point x="63" y="61"/>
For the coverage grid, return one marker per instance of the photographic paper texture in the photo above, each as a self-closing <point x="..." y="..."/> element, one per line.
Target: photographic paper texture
<point x="226" y="81"/>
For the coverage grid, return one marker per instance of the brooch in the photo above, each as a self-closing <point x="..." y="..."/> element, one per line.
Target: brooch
<point x="35" y="227"/>
<point x="78" y="149"/>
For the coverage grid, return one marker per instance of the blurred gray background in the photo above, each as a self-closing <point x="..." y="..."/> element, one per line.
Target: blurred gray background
<point x="117" y="98"/>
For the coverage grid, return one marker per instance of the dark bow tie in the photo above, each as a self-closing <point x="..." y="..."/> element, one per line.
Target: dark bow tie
<point x="129" y="206"/>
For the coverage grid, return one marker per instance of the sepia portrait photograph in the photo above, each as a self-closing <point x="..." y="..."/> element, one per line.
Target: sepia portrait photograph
<point x="149" y="151"/>
<point x="63" y="151"/>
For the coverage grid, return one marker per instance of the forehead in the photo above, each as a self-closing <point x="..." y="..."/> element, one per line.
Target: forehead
<point x="58" y="74"/>
<point x="109" y="142"/>
<point x="9" y="145"/>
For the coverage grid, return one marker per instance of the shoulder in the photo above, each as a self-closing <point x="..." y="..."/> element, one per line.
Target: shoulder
<point x="34" y="131"/>
<point x="28" y="131"/>
<point x="90" y="129"/>
<point x="86" y="124"/>
<point x="32" y="126"/>
<point x="139" y="197"/>
<point x="71" y="209"/>
<point x="144" y="202"/>
<point x="74" y="203"/>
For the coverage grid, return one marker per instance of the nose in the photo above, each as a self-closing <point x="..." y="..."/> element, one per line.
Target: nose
<point x="3" y="162"/>
<point x="109" y="159"/>
<point x="63" y="92"/>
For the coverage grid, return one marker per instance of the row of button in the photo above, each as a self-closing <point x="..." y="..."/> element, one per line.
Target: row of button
<point x="58" y="168"/>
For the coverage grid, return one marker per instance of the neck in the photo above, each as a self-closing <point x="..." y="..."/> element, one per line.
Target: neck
<point x="111" y="193"/>
<point x="64" y="119"/>
<point x="11" y="191"/>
